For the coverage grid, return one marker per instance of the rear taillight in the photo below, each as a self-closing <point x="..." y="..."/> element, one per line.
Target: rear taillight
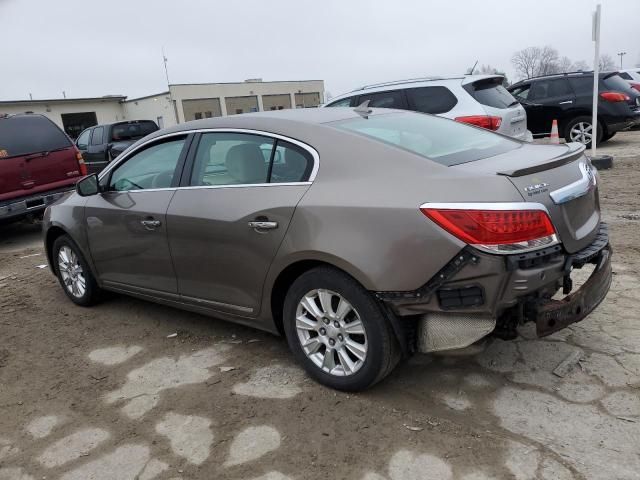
<point x="484" y="121"/>
<point x="614" y="97"/>
<point x="81" y="165"/>
<point x="496" y="230"/>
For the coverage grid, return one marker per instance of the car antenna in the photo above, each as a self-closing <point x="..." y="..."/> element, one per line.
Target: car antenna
<point x="363" y="109"/>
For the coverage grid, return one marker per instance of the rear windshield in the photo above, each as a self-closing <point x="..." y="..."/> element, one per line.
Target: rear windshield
<point x="444" y="141"/>
<point x="27" y="134"/>
<point x="131" y="131"/>
<point x="491" y="93"/>
<point x="617" y="83"/>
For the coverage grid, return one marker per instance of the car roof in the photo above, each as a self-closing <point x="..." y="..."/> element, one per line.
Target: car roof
<point x="278" y="118"/>
<point x="411" y="82"/>
<point x="566" y="74"/>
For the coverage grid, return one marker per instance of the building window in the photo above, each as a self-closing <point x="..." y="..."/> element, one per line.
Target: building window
<point x="238" y="110"/>
<point x="208" y="114"/>
<point x="198" y="115"/>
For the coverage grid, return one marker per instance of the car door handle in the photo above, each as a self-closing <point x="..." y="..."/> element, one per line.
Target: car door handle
<point x="263" y="225"/>
<point x="565" y="102"/>
<point x="151" y="224"/>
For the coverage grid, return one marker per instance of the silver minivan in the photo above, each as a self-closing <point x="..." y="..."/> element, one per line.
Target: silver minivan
<point x="479" y="100"/>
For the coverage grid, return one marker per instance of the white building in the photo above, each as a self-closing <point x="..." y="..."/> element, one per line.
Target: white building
<point x="181" y="103"/>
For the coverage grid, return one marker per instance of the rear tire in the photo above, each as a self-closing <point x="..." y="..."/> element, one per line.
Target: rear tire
<point x="608" y="136"/>
<point x="579" y="130"/>
<point x="348" y="341"/>
<point x="73" y="272"/>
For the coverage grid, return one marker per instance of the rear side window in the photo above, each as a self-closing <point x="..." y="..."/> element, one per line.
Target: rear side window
<point x="390" y="99"/>
<point x="543" y="89"/>
<point x="96" y="138"/>
<point x="431" y="99"/>
<point x="490" y="92"/>
<point x="26" y="134"/>
<point x="581" y="85"/>
<point x="440" y="140"/>
<point x="521" y="91"/>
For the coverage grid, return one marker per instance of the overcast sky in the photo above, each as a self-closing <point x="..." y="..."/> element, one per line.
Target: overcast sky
<point x="90" y="48"/>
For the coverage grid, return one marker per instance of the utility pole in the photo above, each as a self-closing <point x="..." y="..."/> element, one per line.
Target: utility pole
<point x="595" y="36"/>
<point x="621" y="54"/>
<point x="166" y="73"/>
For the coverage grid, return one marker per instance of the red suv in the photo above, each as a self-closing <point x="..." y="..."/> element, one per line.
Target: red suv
<point x="38" y="164"/>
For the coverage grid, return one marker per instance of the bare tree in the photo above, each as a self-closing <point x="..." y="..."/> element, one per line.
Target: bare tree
<point x="606" y="63"/>
<point x="533" y="61"/>
<point x="580" y="66"/>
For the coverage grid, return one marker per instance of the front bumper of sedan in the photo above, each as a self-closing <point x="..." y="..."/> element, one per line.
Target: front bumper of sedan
<point x="478" y="293"/>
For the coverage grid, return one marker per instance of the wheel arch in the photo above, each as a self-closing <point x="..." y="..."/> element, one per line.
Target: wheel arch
<point x="53" y="233"/>
<point x="296" y="267"/>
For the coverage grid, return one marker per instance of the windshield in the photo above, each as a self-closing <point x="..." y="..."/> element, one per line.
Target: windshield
<point x="129" y="131"/>
<point x="443" y="141"/>
<point x="27" y="134"/>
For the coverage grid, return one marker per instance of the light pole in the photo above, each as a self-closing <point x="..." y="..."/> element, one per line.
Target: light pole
<point x="621" y="54"/>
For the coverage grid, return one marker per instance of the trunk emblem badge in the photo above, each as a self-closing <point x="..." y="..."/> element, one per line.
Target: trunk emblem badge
<point x="536" y="188"/>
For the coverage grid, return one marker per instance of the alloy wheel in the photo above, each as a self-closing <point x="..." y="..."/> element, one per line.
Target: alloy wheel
<point x="331" y="332"/>
<point x="71" y="272"/>
<point x="581" y="132"/>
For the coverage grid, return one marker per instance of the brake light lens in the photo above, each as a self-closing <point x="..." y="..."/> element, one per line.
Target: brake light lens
<point x="81" y="165"/>
<point x="484" y="121"/>
<point x="497" y="231"/>
<point x="614" y="97"/>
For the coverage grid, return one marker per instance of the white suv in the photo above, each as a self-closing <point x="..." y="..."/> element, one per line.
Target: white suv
<point x="480" y="100"/>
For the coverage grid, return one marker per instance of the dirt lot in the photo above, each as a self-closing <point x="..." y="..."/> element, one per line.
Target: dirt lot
<point x="105" y="393"/>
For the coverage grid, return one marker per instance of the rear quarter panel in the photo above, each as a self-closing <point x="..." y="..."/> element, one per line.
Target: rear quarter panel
<point x="362" y="213"/>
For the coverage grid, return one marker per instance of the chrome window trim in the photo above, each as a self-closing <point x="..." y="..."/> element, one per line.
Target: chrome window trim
<point x="508" y="249"/>
<point x="128" y="153"/>
<point x="202" y="187"/>
<point x="577" y="189"/>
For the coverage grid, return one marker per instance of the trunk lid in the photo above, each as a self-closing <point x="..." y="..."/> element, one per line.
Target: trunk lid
<point x="558" y="176"/>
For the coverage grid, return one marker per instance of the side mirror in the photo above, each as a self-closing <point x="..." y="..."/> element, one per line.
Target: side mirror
<point x="88" y="186"/>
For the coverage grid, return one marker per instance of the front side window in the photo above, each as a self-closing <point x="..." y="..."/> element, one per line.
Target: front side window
<point x="153" y="167"/>
<point x="83" y="140"/>
<point x="522" y="91"/>
<point x="96" y="138"/>
<point x="345" y="102"/>
<point x="231" y="159"/>
<point x="390" y="99"/>
<point x="432" y="100"/>
<point x="443" y="141"/>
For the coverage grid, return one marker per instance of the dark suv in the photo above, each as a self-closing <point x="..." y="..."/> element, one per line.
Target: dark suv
<point x="102" y="143"/>
<point x="38" y="165"/>
<point x="568" y="98"/>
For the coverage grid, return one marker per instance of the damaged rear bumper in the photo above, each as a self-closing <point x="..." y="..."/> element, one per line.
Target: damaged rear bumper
<point x="554" y="315"/>
<point x="498" y="292"/>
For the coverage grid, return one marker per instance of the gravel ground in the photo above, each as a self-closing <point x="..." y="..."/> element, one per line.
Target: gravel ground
<point x="110" y="392"/>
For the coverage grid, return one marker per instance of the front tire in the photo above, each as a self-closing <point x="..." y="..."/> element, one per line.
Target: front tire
<point x="580" y="130"/>
<point x="337" y="330"/>
<point x="73" y="272"/>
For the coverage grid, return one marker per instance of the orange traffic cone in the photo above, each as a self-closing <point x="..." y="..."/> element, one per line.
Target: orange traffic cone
<point x="554" y="138"/>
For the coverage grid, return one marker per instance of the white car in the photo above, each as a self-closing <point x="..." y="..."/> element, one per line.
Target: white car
<point x="480" y="100"/>
<point x="632" y="76"/>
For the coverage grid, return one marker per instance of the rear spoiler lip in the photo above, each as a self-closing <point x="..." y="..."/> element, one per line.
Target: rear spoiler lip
<point x="575" y="151"/>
